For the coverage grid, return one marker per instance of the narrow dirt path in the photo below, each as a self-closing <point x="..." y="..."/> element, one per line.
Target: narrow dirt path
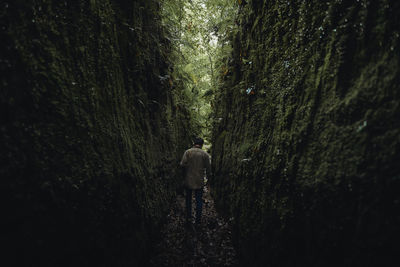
<point x="208" y="245"/>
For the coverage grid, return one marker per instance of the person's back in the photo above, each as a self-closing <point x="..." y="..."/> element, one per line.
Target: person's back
<point x="196" y="161"/>
<point x="197" y="165"/>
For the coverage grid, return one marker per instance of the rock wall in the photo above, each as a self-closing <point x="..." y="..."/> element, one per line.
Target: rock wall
<point x="91" y="131"/>
<point x="306" y="142"/>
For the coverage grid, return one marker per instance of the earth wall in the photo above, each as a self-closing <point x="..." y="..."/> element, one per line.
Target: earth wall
<point x="306" y="139"/>
<point x="92" y="130"/>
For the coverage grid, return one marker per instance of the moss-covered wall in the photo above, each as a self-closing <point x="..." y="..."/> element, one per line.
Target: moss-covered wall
<point x="90" y="131"/>
<point x="306" y="145"/>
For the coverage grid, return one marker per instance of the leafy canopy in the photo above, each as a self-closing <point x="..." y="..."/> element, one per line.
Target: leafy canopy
<point x="199" y="31"/>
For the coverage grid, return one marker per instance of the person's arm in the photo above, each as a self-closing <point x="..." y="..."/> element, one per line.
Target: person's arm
<point x="184" y="160"/>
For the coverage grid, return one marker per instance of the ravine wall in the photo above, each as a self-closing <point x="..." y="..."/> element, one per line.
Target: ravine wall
<point x="91" y="131"/>
<point x="306" y="141"/>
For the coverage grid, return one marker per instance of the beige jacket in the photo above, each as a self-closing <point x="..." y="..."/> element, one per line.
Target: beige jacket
<point x="197" y="165"/>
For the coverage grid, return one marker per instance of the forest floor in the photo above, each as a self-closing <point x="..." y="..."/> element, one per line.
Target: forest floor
<point x="209" y="244"/>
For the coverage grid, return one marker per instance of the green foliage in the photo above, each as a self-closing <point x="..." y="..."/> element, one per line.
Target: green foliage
<point x="198" y="28"/>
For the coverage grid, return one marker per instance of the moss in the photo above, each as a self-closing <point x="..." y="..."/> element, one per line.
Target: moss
<point x="89" y="147"/>
<point x="319" y="131"/>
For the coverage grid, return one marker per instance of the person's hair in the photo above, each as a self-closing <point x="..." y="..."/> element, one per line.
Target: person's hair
<point x="198" y="141"/>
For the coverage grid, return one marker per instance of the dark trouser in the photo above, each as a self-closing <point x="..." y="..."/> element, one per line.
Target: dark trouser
<point x="199" y="203"/>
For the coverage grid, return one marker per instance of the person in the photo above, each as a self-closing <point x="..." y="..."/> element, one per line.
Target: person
<point x="197" y="166"/>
